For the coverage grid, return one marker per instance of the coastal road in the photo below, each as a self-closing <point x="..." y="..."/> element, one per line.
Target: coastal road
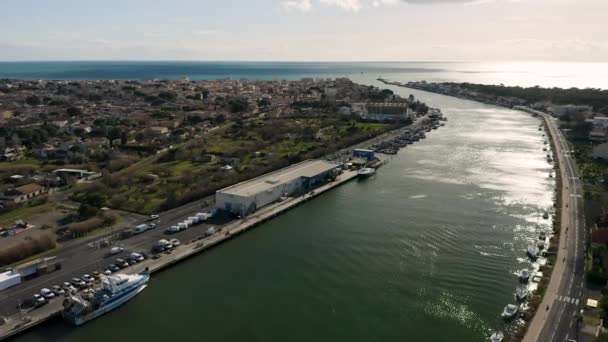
<point x="555" y="319"/>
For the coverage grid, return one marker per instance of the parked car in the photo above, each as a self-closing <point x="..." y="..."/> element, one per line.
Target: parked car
<point x="88" y="278"/>
<point x="174" y="242"/>
<point x="57" y="290"/>
<point x="122" y="263"/>
<point x="116" y="250"/>
<point x="151" y="225"/>
<point x="173" y="229"/>
<point x="107" y="272"/>
<point x="154" y="217"/>
<point x="114" y="268"/>
<point x="78" y="283"/>
<point x="39" y="300"/>
<point x="46" y="293"/>
<point x="136" y="257"/>
<point x="96" y="275"/>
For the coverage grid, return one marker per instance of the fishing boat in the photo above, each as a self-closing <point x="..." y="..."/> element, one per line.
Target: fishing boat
<point x="115" y="291"/>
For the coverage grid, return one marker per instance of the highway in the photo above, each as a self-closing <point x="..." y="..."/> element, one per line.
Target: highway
<point x="555" y="319"/>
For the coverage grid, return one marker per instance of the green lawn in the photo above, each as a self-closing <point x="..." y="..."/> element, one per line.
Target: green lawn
<point x="20" y="164"/>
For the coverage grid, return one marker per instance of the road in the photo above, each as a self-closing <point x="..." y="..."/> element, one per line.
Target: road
<point x="79" y="258"/>
<point x="563" y="295"/>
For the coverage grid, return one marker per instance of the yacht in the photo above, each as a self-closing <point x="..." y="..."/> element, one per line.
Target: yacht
<point x="524" y="275"/>
<point x="533" y="252"/>
<point x="366" y="172"/>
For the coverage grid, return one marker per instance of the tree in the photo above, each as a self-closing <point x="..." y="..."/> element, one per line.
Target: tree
<point x="33" y="100"/>
<point x="123" y="138"/>
<point x="112" y="134"/>
<point x="238" y="104"/>
<point x="73" y="111"/>
<point x="86" y="211"/>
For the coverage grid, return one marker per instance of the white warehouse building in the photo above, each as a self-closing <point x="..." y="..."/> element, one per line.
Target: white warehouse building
<point x="246" y="197"/>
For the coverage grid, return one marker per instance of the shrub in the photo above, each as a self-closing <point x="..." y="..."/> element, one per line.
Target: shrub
<point x="26" y="249"/>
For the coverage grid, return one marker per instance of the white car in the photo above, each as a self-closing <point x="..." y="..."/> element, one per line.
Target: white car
<point x="116" y="250"/>
<point x="107" y="272"/>
<point x="173" y="229"/>
<point x="174" y="242"/>
<point x="46" y="293"/>
<point x="154" y="217"/>
<point x="39" y="300"/>
<point x="58" y="290"/>
<point x="136" y="257"/>
<point x="88" y="278"/>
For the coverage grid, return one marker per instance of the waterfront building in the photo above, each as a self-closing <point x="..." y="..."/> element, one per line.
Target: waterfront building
<point x="363" y="153"/>
<point x="246" y="197"/>
<point x="387" y="111"/>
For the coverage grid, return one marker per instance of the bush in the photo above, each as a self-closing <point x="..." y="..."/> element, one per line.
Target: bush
<point x="26" y="249"/>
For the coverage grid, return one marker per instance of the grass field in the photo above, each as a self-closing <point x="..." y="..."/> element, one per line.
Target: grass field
<point x="25" y="212"/>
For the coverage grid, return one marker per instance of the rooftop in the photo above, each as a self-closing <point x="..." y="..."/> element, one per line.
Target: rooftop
<point x="269" y="181"/>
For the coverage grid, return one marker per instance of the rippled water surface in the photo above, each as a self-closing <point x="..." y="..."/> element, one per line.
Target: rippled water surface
<point x="426" y="250"/>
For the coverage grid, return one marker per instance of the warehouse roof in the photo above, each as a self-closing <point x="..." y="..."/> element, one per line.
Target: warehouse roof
<point x="309" y="168"/>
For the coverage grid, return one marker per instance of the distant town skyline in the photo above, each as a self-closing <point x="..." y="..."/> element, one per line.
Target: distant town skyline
<point x="305" y="30"/>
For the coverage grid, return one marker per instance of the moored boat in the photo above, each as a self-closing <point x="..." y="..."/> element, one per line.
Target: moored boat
<point x="524" y="275"/>
<point x="510" y="311"/>
<point x="521" y="293"/>
<point x="366" y="172"/>
<point x="115" y="290"/>
<point x="497" y="336"/>
<point x="533" y="252"/>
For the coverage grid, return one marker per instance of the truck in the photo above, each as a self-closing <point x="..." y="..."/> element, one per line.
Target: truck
<point x="140" y="228"/>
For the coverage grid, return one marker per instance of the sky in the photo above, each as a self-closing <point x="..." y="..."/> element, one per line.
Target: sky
<point x="305" y="30"/>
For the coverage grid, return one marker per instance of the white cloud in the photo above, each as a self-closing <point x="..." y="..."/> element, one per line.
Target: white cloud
<point x="297" y="5"/>
<point x="347" y="5"/>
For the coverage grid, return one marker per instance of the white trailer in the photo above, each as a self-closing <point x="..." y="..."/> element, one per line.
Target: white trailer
<point x="182" y="226"/>
<point x="194" y="219"/>
<point x="9" y="279"/>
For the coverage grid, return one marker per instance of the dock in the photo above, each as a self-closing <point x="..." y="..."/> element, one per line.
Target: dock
<point x="19" y="323"/>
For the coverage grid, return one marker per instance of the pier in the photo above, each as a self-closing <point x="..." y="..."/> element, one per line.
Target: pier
<point x="21" y="322"/>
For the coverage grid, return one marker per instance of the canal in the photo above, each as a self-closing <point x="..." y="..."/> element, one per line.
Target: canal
<point x="425" y="250"/>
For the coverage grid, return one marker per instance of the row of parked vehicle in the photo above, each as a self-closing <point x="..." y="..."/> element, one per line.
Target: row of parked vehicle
<point x="86" y="281"/>
<point x="189" y="222"/>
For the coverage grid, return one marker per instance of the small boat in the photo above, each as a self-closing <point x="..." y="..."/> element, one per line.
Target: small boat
<point x="521" y="293"/>
<point x="542" y="236"/>
<point x="545" y="215"/>
<point x="510" y="311"/>
<point x="524" y="275"/>
<point x="497" y="336"/>
<point x="366" y="172"/>
<point x="533" y="252"/>
<point x="540" y="245"/>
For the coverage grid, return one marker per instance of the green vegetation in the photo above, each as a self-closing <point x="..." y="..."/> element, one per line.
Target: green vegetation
<point x="27" y="248"/>
<point x="197" y="169"/>
<point x="26" y="211"/>
<point x="595" y="97"/>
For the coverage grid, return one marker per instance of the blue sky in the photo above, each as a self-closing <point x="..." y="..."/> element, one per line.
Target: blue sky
<point x="324" y="30"/>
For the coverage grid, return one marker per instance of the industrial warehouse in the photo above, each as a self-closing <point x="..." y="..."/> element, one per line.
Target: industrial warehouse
<point x="246" y="197"/>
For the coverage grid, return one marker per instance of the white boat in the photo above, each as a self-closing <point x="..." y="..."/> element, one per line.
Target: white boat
<point x="366" y="172"/>
<point x="115" y="290"/>
<point x="533" y="252"/>
<point x="510" y="311"/>
<point x="521" y="293"/>
<point x="498" y="336"/>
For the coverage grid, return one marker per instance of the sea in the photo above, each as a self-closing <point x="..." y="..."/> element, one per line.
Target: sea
<point x="428" y="249"/>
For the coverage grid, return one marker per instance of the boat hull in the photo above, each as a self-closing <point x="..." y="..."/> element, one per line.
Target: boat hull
<point x="80" y="320"/>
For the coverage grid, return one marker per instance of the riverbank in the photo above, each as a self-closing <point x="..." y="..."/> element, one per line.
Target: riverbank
<point x="566" y="280"/>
